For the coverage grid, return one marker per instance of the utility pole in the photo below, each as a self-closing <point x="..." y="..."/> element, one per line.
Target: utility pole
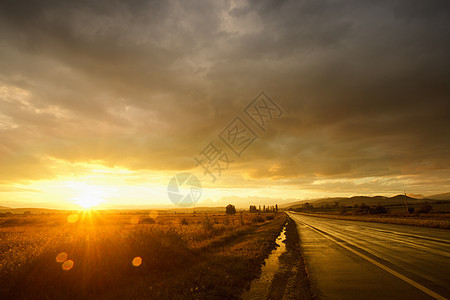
<point x="406" y="204"/>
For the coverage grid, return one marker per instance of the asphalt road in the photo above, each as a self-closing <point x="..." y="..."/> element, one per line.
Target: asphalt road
<point x="363" y="260"/>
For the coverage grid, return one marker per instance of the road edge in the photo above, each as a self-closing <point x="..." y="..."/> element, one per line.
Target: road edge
<point x="292" y="280"/>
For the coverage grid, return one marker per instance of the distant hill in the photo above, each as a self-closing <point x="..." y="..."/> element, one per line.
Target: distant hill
<point x="374" y="200"/>
<point x="216" y="209"/>
<point x="32" y="210"/>
<point x="444" y="196"/>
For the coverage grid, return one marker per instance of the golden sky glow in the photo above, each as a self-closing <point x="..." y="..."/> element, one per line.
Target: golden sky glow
<point x="102" y="103"/>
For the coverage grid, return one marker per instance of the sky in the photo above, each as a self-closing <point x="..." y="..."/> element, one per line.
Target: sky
<point x="104" y="102"/>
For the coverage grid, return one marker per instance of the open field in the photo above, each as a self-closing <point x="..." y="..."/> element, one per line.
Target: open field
<point x="136" y="255"/>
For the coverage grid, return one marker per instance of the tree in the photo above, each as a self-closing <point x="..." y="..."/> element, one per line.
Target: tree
<point x="307" y="206"/>
<point x="230" y="209"/>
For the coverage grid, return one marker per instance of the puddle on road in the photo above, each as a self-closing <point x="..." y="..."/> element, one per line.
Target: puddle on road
<point x="260" y="286"/>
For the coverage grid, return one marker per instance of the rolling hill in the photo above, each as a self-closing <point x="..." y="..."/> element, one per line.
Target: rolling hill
<point x="444" y="196"/>
<point x="374" y="200"/>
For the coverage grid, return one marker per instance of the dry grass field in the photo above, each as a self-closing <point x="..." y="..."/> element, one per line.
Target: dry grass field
<point x="107" y="255"/>
<point x="423" y="220"/>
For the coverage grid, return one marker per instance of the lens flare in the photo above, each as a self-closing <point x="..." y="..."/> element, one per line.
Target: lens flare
<point x="67" y="265"/>
<point x="153" y="214"/>
<point x="134" y="220"/>
<point x="73" y="218"/>
<point x="61" y="257"/>
<point x="137" y="261"/>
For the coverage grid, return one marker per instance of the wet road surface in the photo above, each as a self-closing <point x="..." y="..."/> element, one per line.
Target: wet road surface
<point x="363" y="260"/>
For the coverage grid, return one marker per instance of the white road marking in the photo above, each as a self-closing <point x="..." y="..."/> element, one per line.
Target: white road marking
<point x="413" y="244"/>
<point x="387" y="269"/>
<point x="433" y="239"/>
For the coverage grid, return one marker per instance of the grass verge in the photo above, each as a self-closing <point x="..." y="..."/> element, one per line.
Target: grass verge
<point x="292" y="279"/>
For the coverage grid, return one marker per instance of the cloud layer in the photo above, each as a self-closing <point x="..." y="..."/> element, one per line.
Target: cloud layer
<point x="144" y="85"/>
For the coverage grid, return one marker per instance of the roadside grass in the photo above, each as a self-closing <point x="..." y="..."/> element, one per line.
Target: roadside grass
<point x="222" y="270"/>
<point x="116" y="256"/>
<point x="442" y="222"/>
<point x="292" y="279"/>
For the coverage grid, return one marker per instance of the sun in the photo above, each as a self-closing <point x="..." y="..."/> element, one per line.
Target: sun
<point x="89" y="197"/>
<point x="87" y="201"/>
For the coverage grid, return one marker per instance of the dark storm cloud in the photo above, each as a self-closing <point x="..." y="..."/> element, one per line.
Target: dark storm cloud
<point x="374" y="101"/>
<point x="145" y="84"/>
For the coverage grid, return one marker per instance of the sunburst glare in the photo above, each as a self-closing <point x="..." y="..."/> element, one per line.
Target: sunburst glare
<point x="89" y="196"/>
